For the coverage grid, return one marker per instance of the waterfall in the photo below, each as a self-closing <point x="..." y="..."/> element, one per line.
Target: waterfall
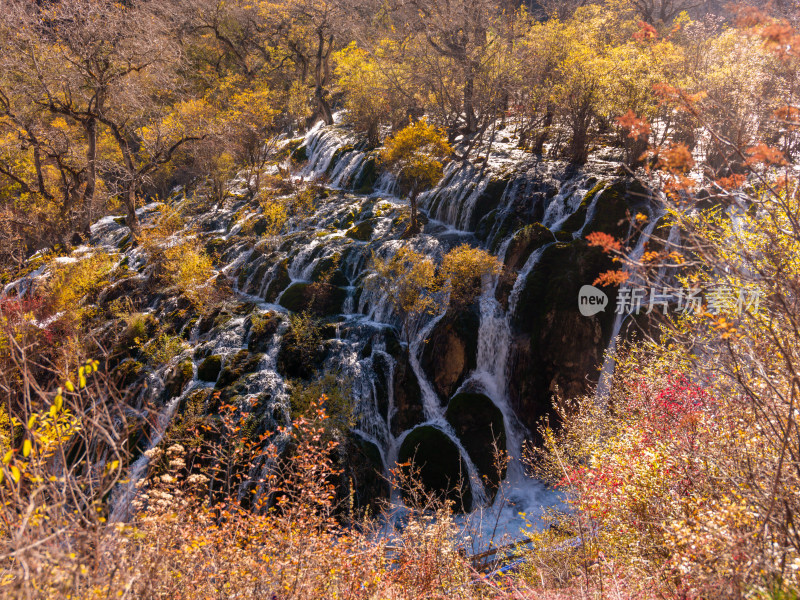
<point x="609" y="361"/>
<point x="126" y="492"/>
<point x="509" y="192"/>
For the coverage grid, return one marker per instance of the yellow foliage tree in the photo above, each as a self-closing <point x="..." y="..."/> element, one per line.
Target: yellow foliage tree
<point x="415" y="156"/>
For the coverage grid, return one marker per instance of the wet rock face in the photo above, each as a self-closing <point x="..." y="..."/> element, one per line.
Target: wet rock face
<point x="441" y="469"/>
<point x="554" y="346"/>
<point x="478" y="423"/>
<point x="407" y="396"/>
<point x="209" y="369"/>
<point x="322" y="299"/>
<point x="240" y="364"/>
<point x="362" y="474"/>
<point x="177" y="378"/>
<point x="261" y="330"/>
<point x="522" y="245"/>
<point x="450" y="351"/>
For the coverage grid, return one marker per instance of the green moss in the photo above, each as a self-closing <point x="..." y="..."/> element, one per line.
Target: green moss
<point x="279" y="282"/>
<point x="365" y="183"/>
<point x="327" y="270"/>
<point x="210" y="367"/>
<point x="578" y="218"/>
<point x="322" y="299"/>
<point x="262" y="328"/>
<point x="127" y="373"/>
<point x="177" y="379"/>
<point x="479" y="424"/>
<point x="441" y="468"/>
<point x="216" y="247"/>
<point x="525" y="241"/>
<point x="301" y="352"/>
<point x="242" y="363"/>
<point x="363" y="231"/>
<point x="294" y="298"/>
<point x="337" y="156"/>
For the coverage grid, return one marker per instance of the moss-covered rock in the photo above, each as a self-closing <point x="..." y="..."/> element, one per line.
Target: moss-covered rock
<point x="478" y="423"/>
<point x="299" y="155"/>
<point x="365" y="180"/>
<point x="294" y="297"/>
<point x="337" y="156"/>
<point x="262" y="329"/>
<point x="362" y="231"/>
<point x="216" y="247"/>
<point x="298" y="359"/>
<point x="240" y="364"/>
<point x="488" y="200"/>
<point x="451" y="351"/>
<point x="280" y="281"/>
<point x="525" y="241"/>
<point x="127" y="372"/>
<point x="522" y="245"/>
<point x="327" y="270"/>
<point x="210" y="367"/>
<point x="177" y="378"/>
<point x="363" y="473"/>
<point x="576" y="220"/>
<point x="441" y="468"/>
<point x="322" y="299"/>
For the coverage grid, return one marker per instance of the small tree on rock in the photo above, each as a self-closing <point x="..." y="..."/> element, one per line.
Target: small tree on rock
<point x="415" y="154"/>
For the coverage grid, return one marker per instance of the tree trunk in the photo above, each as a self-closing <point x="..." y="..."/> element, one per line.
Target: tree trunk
<point x="578" y="151"/>
<point x="471" y="122"/>
<point x="538" y="145"/>
<point x="413" y="225"/>
<point x="321" y="71"/>
<point x="91" y="177"/>
<point x="131" y="220"/>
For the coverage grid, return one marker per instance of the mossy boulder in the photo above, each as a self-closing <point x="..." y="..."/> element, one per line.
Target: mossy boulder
<point x="322" y="299"/>
<point x="478" y="423"/>
<point x="365" y="180"/>
<point x="337" y="156"/>
<point x="216" y="247"/>
<point x="280" y="280"/>
<point x="488" y="200"/>
<point x="525" y="241"/>
<point x="577" y="219"/>
<point x="299" y="155"/>
<point x="294" y="297"/>
<point x="239" y="365"/>
<point x="262" y="329"/>
<point x="210" y="367"/>
<point x="451" y="351"/>
<point x="300" y="356"/>
<point x="363" y="473"/>
<point x="362" y="231"/>
<point x="441" y="468"/>
<point x="127" y="372"/>
<point x="327" y="270"/>
<point x="177" y="378"/>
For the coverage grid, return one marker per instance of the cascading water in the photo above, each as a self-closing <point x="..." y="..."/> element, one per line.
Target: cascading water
<point x="480" y="206"/>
